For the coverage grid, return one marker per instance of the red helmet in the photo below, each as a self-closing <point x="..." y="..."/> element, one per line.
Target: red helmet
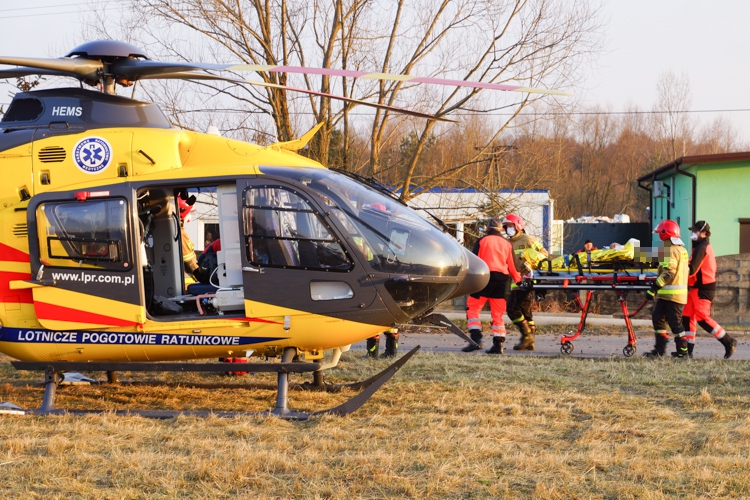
<point x="184" y="206"/>
<point x="515" y="221"/>
<point x="667" y="229"/>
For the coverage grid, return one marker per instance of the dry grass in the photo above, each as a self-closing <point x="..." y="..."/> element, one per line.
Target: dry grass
<point x="447" y="426"/>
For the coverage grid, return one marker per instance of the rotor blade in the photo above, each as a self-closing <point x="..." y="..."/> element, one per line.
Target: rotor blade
<point x="187" y="75"/>
<point x="78" y="66"/>
<point x="391" y="77"/>
<point x="27" y="71"/>
<point x="135" y="69"/>
<point x="144" y="69"/>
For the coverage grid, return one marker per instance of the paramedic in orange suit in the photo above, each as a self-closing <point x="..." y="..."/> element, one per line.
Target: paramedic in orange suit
<point x="702" y="288"/>
<point x="497" y="252"/>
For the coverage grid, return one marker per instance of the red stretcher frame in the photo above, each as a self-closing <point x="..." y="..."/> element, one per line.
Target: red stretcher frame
<point x="620" y="277"/>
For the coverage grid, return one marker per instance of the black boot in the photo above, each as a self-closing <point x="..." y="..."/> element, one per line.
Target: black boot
<point x="498" y="346"/>
<point x="476" y="336"/>
<point x="682" y="349"/>
<point x="690" y="347"/>
<point x="391" y="345"/>
<point x="372" y="347"/>
<point x="527" y="338"/>
<point x="730" y="345"/>
<point x="659" y="348"/>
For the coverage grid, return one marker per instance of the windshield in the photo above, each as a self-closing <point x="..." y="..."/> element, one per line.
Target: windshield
<point x="390" y="236"/>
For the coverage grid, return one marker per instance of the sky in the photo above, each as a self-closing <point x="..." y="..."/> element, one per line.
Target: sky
<point x="705" y="41"/>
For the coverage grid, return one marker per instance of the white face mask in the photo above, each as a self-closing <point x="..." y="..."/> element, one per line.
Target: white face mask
<point x="694" y="236"/>
<point x="510" y="231"/>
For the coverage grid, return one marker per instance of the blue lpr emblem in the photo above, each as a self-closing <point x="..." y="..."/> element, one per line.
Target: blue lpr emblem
<point x="92" y="154"/>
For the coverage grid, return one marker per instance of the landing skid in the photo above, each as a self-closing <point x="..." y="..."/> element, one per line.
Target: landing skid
<point x="442" y="320"/>
<point x="54" y="375"/>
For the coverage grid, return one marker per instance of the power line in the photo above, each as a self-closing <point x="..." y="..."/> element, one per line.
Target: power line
<point x="654" y="112"/>
<point x="42" y="14"/>
<point x="46" y="7"/>
<point x="53" y="6"/>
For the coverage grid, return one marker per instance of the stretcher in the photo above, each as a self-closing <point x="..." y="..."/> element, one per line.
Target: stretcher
<point x="622" y="277"/>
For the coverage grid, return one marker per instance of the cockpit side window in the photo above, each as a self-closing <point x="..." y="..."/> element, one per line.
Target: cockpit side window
<point x="90" y="234"/>
<point x="282" y="229"/>
<point x="390" y="236"/>
<point x="23" y="110"/>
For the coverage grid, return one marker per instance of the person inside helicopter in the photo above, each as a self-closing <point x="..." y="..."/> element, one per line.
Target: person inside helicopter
<point x="208" y="262"/>
<point x="167" y="268"/>
<point x="190" y="262"/>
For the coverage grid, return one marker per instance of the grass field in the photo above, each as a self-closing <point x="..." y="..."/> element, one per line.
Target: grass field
<point x="446" y="426"/>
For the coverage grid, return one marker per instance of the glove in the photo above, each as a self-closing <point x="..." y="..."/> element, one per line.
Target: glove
<point x="650" y="295"/>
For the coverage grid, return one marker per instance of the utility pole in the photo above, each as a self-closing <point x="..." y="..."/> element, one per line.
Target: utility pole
<point x="494" y="153"/>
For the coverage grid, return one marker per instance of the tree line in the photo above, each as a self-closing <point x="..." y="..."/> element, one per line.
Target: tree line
<point x="589" y="160"/>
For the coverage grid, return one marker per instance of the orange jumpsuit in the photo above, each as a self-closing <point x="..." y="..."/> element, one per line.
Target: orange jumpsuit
<point x="497" y="252"/>
<point x="702" y="283"/>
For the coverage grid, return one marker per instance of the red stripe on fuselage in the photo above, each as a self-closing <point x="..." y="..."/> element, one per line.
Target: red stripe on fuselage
<point x="10" y="254"/>
<point x="17" y="296"/>
<point x="59" y="313"/>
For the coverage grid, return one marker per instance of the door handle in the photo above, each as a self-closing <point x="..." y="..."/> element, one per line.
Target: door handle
<point x="23" y="285"/>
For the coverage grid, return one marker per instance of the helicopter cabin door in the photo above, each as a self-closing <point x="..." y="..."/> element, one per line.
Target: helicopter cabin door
<point x="293" y="258"/>
<point x="82" y="259"/>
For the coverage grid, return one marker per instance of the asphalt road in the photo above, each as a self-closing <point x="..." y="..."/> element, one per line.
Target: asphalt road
<point x="585" y="346"/>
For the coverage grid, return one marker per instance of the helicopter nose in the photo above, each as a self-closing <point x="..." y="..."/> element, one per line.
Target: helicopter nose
<point x="476" y="278"/>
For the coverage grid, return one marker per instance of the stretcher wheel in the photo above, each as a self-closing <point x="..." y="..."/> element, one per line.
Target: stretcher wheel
<point x="629" y="350"/>
<point x="566" y="348"/>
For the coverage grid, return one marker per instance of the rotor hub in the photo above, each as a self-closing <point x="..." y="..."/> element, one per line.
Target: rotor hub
<point x="107" y="50"/>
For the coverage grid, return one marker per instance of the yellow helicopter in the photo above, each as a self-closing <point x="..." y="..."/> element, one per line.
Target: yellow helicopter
<point x="95" y="188"/>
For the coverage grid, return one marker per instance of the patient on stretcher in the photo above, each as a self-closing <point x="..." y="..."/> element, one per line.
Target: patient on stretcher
<point x="630" y="251"/>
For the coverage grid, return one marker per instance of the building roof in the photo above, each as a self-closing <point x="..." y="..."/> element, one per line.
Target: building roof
<point x="688" y="161"/>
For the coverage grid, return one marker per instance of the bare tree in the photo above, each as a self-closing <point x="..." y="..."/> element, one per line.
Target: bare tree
<point x="637" y="152"/>
<point x="675" y="125"/>
<point x="719" y="136"/>
<point x="538" y="42"/>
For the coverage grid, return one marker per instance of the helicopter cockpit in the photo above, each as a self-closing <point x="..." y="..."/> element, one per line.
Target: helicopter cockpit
<point x="418" y="265"/>
<point x="394" y="239"/>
